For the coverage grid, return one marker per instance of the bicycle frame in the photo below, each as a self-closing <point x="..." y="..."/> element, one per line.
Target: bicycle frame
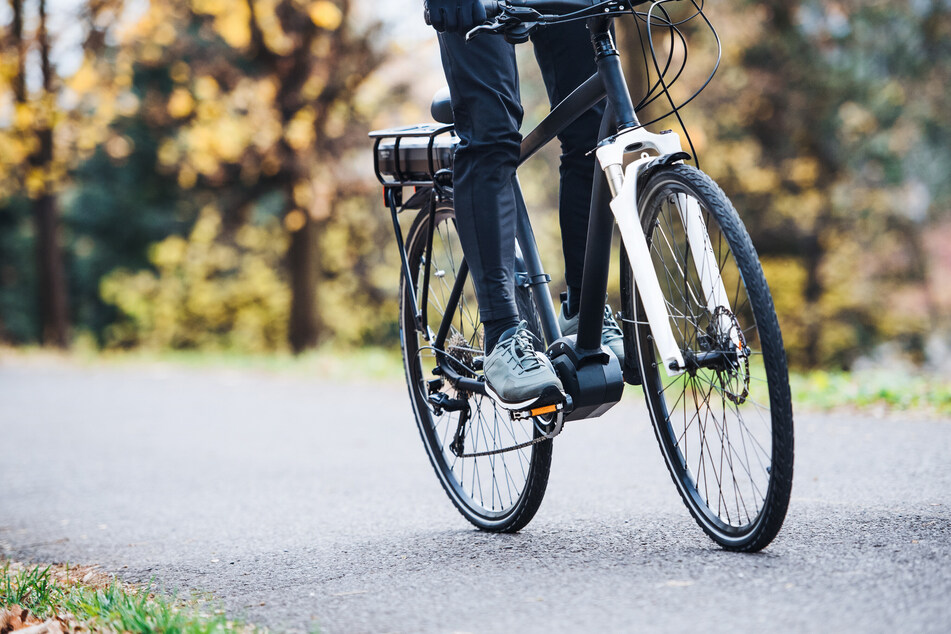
<point x="613" y="199"/>
<point x="675" y="312"/>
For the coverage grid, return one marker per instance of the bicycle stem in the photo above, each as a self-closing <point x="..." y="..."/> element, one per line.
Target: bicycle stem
<point x="609" y="68"/>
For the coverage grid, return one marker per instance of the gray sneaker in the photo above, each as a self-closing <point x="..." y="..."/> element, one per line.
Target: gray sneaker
<point x="517" y="376"/>
<point x="611" y="334"/>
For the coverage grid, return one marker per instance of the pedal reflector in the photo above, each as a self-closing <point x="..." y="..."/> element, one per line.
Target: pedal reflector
<point x="548" y="409"/>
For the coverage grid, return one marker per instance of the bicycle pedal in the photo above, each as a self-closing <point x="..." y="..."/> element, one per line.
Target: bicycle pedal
<point x="541" y="410"/>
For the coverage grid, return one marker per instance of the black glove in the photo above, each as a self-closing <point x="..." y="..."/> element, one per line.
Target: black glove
<point x="456" y="15"/>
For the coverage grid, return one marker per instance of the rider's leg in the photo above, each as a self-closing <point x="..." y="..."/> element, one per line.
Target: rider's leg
<point x="566" y="59"/>
<point x="483" y="82"/>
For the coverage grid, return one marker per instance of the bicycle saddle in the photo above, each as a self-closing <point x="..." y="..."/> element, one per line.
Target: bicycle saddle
<point x="441" y="108"/>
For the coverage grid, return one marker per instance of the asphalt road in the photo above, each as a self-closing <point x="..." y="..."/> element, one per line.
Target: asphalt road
<point x="304" y="505"/>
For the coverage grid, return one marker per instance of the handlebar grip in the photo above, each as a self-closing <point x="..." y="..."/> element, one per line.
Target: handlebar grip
<point x="491" y="10"/>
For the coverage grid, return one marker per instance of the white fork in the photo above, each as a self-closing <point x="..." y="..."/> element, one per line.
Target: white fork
<point x="623" y="185"/>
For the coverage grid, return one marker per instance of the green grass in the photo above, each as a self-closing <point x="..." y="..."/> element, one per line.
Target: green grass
<point x="100" y="604"/>
<point x="29" y="588"/>
<point x="325" y="363"/>
<point x="888" y="390"/>
<point x="371" y="364"/>
<point x="870" y="392"/>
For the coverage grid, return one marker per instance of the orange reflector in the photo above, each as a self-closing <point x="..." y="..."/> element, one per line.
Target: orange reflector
<point x="544" y="410"/>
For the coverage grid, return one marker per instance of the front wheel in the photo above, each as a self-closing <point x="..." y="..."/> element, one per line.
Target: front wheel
<point x="725" y="426"/>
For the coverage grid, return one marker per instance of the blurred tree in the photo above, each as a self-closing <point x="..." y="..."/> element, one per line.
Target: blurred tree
<point x="827" y="129"/>
<point x="255" y="101"/>
<point x="205" y="293"/>
<point x="35" y="117"/>
<point x="46" y="132"/>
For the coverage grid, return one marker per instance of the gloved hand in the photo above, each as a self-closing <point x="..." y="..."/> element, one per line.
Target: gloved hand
<point x="456" y="15"/>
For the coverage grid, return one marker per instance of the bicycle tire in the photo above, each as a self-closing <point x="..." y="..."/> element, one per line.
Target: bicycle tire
<point x="468" y="480"/>
<point x="748" y="398"/>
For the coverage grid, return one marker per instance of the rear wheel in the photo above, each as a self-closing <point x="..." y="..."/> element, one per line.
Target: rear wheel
<point x="499" y="492"/>
<point x="725" y="426"/>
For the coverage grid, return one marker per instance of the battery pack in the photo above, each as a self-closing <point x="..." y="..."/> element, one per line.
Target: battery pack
<point x="408" y="158"/>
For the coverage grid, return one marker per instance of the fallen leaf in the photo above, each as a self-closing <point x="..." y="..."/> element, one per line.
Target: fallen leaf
<point x="16" y="618"/>
<point x="51" y="626"/>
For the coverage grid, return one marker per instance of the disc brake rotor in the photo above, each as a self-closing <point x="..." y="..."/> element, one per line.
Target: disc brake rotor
<point x="734" y="382"/>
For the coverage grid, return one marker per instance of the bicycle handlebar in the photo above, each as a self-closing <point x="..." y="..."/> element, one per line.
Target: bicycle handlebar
<point x="555" y="7"/>
<point x="495" y="7"/>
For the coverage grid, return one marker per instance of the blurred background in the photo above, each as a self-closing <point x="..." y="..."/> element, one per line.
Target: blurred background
<point x="196" y="175"/>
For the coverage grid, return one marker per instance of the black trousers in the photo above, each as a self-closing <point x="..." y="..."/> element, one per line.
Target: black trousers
<point x="483" y="81"/>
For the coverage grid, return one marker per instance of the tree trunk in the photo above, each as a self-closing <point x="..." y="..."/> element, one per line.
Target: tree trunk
<point x="54" y="311"/>
<point x="19" y="80"/>
<point x="302" y="260"/>
<point x="813" y="253"/>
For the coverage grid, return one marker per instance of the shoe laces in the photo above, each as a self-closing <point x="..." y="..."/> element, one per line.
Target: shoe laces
<point x="610" y="331"/>
<point x="521" y="348"/>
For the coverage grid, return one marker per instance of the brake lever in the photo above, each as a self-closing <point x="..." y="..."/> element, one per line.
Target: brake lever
<point x="493" y="27"/>
<point x="511" y="18"/>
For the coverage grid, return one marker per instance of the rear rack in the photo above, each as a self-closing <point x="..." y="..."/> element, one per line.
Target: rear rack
<point x="413" y="165"/>
<point x="399" y="172"/>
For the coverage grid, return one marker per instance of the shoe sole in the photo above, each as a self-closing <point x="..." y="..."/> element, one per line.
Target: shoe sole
<point x="551" y="395"/>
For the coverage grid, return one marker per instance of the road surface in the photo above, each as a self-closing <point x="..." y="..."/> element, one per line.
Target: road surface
<point x="305" y="505"/>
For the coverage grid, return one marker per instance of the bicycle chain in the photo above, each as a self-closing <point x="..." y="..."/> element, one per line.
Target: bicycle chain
<point x="558" y="427"/>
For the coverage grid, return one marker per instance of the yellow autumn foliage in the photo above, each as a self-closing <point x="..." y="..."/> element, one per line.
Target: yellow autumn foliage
<point x="205" y="292"/>
<point x="180" y="103"/>
<point x="326" y="15"/>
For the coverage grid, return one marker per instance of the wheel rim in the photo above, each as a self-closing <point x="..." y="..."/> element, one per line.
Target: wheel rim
<point x="491" y="487"/>
<point x="715" y="422"/>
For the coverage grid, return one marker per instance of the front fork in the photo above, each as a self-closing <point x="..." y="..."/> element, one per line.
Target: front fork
<point x="623" y="184"/>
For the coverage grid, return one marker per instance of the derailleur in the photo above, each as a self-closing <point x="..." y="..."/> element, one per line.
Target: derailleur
<point x="441" y="402"/>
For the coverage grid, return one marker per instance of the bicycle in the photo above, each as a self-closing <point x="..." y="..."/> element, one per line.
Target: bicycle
<point x="700" y="332"/>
